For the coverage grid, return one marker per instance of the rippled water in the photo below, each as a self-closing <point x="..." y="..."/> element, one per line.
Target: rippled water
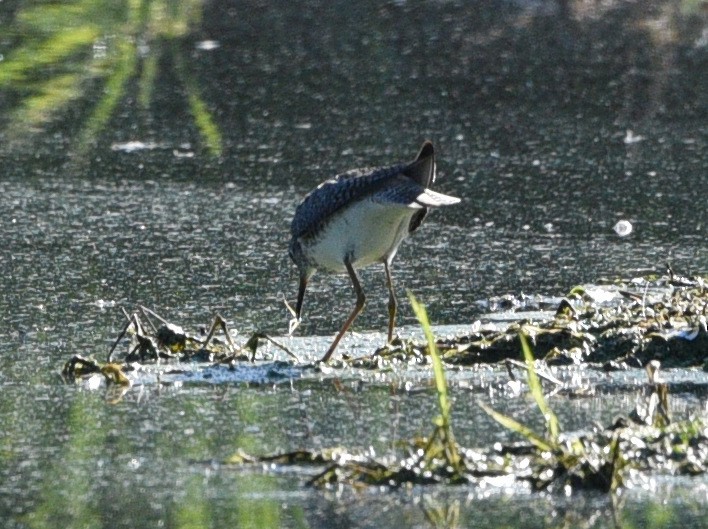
<point x="164" y="169"/>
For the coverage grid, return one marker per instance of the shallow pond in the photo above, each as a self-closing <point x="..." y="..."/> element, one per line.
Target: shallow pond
<point x="164" y="168"/>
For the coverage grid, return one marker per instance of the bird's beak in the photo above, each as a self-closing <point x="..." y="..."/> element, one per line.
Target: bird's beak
<point x="300" y="295"/>
<point x="295" y="322"/>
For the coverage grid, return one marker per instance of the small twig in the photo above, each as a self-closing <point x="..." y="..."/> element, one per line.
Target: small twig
<point x="252" y="345"/>
<point x="147" y="312"/>
<point x="294" y="322"/>
<point x="219" y="322"/>
<point x="544" y="376"/>
<point x="130" y="322"/>
<point x="644" y="300"/>
<point x="508" y="363"/>
<point x="279" y="346"/>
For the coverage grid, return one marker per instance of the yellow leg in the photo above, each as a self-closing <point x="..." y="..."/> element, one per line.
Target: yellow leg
<point x="392" y="303"/>
<point x="360" y="299"/>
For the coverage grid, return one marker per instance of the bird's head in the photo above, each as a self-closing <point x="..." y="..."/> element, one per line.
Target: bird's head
<point x="305" y="269"/>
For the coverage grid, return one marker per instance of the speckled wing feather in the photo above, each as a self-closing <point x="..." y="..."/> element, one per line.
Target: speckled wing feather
<point x="334" y="194"/>
<point x="399" y="190"/>
<point x="403" y="191"/>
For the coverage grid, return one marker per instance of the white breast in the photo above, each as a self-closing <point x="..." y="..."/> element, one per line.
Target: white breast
<point x="368" y="232"/>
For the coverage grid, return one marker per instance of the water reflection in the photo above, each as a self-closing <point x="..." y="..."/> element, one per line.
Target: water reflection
<point x="104" y="53"/>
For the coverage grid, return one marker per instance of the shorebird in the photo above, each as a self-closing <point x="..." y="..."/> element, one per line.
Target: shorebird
<point x="359" y="218"/>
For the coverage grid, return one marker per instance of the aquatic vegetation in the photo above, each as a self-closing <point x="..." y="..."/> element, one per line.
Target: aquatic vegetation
<point x="579" y="464"/>
<point x="444" y="421"/>
<point x="626" y="326"/>
<point x="647" y="439"/>
<point x="549" y="442"/>
<point x="603" y="459"/>
<point x="78" y="366"/>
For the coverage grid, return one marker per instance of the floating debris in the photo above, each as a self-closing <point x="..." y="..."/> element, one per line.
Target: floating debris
<point x="207" y="45"/>
<point x="630" y="138"/>
<point x="623" y="228"/>
<point x="151" y="342"/>
<point x="135" y="146"/>
<point x="616" y="326"/>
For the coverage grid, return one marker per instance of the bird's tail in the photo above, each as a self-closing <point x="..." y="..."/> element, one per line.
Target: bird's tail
<point x="434" y="199"/>
<point x="422" y="169"/>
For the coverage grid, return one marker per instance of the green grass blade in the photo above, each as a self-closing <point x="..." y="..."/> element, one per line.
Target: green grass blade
<point x="537" y="392"/>
<point x="515" y="426"/>
<point x="444" y="423"/>
<point x="438" y="371"/>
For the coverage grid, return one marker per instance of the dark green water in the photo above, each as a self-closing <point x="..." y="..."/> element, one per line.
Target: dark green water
<point x="154" y="153"/>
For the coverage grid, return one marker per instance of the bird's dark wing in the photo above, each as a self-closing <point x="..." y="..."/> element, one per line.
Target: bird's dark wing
<point x="334" y="194"/>
<point x="403" y="191"/>
<point x="404" y="184"/>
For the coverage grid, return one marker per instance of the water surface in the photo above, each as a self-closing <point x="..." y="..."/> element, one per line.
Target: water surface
<point x="155" y="155"/>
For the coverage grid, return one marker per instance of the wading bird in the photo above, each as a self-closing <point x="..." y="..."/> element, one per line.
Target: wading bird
<point x="359" y="218"/>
